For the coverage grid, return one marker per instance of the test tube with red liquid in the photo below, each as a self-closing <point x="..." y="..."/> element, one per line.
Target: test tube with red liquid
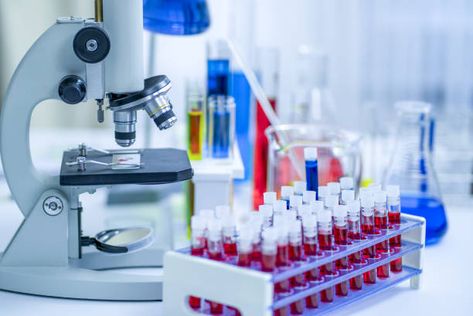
<point x="340" y="234"/>
<point x="282" y="256"/>
<point x="324" y="234"/>
<point x="381" y="224"/>
<point x="309" y="228"/>
<point x="367" y="228"/>
<point x="245" y="246"/>
<point x="197" y="249"/>
<point x="229" y="237"/>
<point x="394" y="215"/>
<point x="354" y="234"/>
<point x="295" y="256"/>
<point x="215" y="252"/>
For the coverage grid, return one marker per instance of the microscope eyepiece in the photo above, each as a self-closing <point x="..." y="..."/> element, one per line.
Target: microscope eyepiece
<point x="153" y="99"/>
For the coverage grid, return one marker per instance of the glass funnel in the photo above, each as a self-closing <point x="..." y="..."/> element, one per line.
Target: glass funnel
<point x="411" y="167"/>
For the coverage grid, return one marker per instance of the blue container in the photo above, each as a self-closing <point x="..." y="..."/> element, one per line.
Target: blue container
<point x="176" y="17"/>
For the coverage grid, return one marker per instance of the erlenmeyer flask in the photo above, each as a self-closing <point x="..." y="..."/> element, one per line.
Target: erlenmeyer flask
<point x="411" y="168"/>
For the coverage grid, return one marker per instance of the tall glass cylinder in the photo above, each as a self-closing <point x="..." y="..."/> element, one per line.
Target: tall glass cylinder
<point x="195" y="122"/>
<point x="411" y="167"/>
<point x="221" y="129"/>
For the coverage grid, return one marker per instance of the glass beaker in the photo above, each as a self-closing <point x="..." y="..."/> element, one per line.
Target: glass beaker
<point x="411" y="168"/>
<point x="338" y="153"/>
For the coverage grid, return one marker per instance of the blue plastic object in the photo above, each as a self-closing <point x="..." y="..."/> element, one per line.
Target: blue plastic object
<point x="176" y="17"/>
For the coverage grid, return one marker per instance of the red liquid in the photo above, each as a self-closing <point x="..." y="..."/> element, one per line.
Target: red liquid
<point x="354" y="235"/>
<point x="260" y="170"/>
<point x="310" y="249"/>
<point x="268" y="262"/>
<point x="312" y="301"/>
<point x="256" y="253"/>
<point x="396" y="265"/>
<point x="283" y="311"/>
<point x="356" y="283"/>
<point x="244" y="259"/>
<point x="215" y="253"/>
<point x="383" y="271"/>
<point x="340" y="234"/>
<point x="381" y="222"/>
<point x="282" y="256"/>
<point x="194" y="302"/>
<point x="370" y="277"/>
<point x="197" y="251"/>
<point x="367" y="229"/>
<point x="341" y="289"/>
<point x="394" y="218"/>
<point x="297" y="308"/>
<point x="216" y="308"/>
<point x="283" y="287"/>
<point x="295" y="252"/>
<point x="326" y="295"/>
<point x="230" y="249"/>
<point x="395" y="242"/>
<point x="218" y="256"/>
<point x="325" y="241"/>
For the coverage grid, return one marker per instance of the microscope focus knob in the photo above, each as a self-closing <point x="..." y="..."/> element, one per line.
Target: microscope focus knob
<point x="72" y="89"/>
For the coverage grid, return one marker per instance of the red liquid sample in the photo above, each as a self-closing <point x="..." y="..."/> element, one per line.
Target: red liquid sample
<point x="297" y="308"/>
<point x="341" y="238"/>
<point x="341" y="289"/>
<point x="244" y="259"/>
<point x="395" y="242"/>
<point x="326" y="295"/>
<point x="283" y="287"/>
<point x="312" y="301"/>
<point x="194" y="302"/>
<point x="230" y="249"/>
<point x="356" y="283"/>
<point x="268" y="262"/>
<point x="282" y="256"/>
<point x="340" y="234"/>
<point x="260" y="170"/>
<point x="295" y="252"/>
<point x="218" y="256"/>
<point x="354" y="235"/>
<point x="283" y="311"/>
<point x="256" y="253"/>
<point x="325" y="241"/>
<point x="381" y="222"/>
<point x="310" y="249"/>
<point x="215" y="308"/>
<point x="396" y="265"/>
<point x="383" y="271"/>
<point x="367" y="227"/>
<point x="370" y="277"/>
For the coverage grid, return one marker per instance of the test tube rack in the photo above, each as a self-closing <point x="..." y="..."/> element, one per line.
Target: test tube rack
<point x="252" y="291"/>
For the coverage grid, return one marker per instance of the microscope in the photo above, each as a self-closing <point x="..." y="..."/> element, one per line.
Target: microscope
<point x="77" y="60"/>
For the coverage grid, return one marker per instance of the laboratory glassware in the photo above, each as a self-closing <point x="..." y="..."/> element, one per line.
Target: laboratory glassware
<point x="338" y="153"/>
<point x="411" y="167"/>
<point x="221" y="128"/>
<point x="195" y="122"/>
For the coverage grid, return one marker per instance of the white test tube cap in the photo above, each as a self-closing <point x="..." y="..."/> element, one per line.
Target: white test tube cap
<point x="246" y="233"/>
<point x="295" y="227"/>
<point x="334" y="187"/>
<point x="323" y="191"/>
<point x="354" y="208"/>
<point x="304" y="210"/>
<point x="310" y="153"/>
<point x="266" y="210"/>
<point x="340" y="211"/>
<point x="331" y="201"/>
<point x="222" y="210"/>
<point x="280" y="206"/>
<point x="300" y="187"/>
<point x="393" y="190"/>
<point x="380" y="197"/>
<point x="207" y="213"/>
<point x="287" y="191"/>
<point x="309" y="221"/>
<point x="295" y="201"/>
<point x="346" y="183"/>
<point x="228" y="221"/>
<point x="324" y="217"/>
<point x="367" y="201"/>
<point x="197" y="222"/>
<point x="348" y="195"/>
<point x="316" y="206"/>
<point x="269" y="197"/>
<point x="308" y="196"/>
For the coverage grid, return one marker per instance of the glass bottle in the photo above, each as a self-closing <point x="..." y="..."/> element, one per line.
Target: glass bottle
<point x="411" y="167"/>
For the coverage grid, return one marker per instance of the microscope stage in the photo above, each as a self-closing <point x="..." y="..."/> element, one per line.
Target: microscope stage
<point x="158" y="166"/>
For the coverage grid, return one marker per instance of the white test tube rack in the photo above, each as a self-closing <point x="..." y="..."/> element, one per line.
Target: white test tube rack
<point x="252" y="291"/>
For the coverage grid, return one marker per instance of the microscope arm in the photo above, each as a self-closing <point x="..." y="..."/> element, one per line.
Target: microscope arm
<point x="35" y="80"/>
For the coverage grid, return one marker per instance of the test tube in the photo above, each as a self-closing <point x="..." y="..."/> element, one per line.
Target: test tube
<point x="334" y="188"/>
<point x="324" y="234"/>
<point x="256" y="251"/>
<point x="309" y="226"/>
<point x="286" y="192"/>
<point x="215" y="251"/>
<point x="347" y="196"/>
<point x="269" y="250"/>
<point x="340" y="229"/>
<point x="308" y="197"/>
<point x="195" y="123"/>
<point x="207" y="215"/>
<point x="295" y="255"/>
<point x="367" y="228"/>
<point x="354" y="233"/>
<point x="316" y="207"/>
<point x="245" y="246"/>
<point x="218" y="68"/>
<point x="229" y="236"/>
<point x="282" y="256"/>
<point x="346" y="183"/>
<point x="381" y="223"/>
<point x="197" y="249"/>
<point x="267" y="213"/>
<point x="323" y="193"/>
<point x="394" y="214"/>
<point x="299" y="187"/>
<point x="221" y="126"/>
<point x="311" y="169"/>
<point x="330" y="202"/>
<point x="280" y="206"/>
<point x="295" y="202"/>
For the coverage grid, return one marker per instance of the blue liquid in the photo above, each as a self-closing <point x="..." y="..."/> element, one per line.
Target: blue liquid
<point x="312" y="176"/>
<point x="176" y="17"/>
<point x="242" y="94"/>
<point x="221" y="134"/>
<point x="432" y="210"/>
<point x="218" y="76"/>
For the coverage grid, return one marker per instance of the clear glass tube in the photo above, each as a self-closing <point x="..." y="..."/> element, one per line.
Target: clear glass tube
<point x="221" y="128"/>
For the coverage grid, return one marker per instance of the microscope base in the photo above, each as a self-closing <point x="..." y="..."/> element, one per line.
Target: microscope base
<point x="90" y="278"/>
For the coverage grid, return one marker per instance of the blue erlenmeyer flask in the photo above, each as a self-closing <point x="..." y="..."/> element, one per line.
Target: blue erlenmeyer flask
<point x="176" y="17"/>
<point x="411" y="167"/>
